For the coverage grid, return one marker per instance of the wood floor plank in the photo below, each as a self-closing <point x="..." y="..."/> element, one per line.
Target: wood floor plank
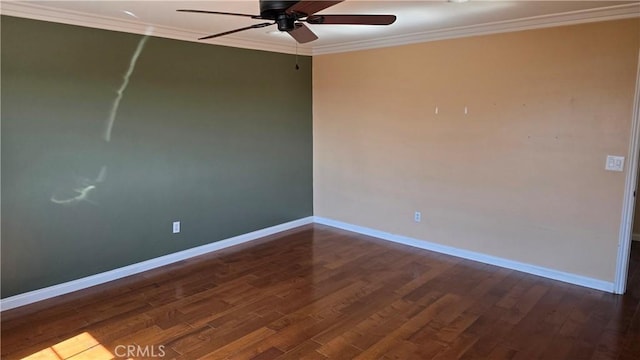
<point x="321" y="293"/>
<point x="232" y="347"/>
<point x="410" y="327"/>
<point x="305" y="350"/>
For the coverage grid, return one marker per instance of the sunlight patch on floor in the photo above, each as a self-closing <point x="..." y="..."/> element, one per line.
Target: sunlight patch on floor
<point x="82" y="346"/>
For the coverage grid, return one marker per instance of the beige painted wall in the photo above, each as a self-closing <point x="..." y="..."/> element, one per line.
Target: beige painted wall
<point x="521" y="176"/>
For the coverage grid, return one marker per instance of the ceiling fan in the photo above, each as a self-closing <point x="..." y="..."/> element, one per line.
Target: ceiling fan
<point x="290" y="17"/>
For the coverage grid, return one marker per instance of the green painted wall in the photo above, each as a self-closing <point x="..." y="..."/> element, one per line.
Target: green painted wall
<point x="216" y="137"/>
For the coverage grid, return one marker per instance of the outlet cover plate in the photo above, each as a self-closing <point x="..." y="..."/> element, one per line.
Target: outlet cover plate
<point x="614" y="163"/>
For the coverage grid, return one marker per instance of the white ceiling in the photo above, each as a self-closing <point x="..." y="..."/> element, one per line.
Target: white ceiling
<point x="417" y="20"/>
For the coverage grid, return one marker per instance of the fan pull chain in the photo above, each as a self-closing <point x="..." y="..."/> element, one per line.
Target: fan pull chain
<point x="297" y="67"/>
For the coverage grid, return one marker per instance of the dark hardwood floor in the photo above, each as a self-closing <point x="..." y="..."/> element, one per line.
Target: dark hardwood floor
<point x="318" y="293"/>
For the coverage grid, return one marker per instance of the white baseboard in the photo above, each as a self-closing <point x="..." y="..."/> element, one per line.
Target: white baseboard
<point x="101" y="278"/>
<point x="635" y="237"/>
<point x="471" y="255"/>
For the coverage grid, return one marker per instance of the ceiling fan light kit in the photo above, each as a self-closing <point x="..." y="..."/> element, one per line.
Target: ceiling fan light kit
<point x="290" y="16"/>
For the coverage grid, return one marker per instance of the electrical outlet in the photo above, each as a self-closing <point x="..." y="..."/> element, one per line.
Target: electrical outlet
<point x="417" y="216"/>
<point x="176" y="227"/>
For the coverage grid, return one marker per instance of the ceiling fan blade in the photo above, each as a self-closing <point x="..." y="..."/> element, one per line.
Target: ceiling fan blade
<point x="308" y="7"/>
<point x="351" y="19"/>
<point x="256" y="26"/>
<point x="302" y="34"/>
<point x="219" y="13"/>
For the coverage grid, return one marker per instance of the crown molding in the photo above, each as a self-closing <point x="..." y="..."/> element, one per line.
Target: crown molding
<point x="534" y="22"/>
<point x="45" y="13"/>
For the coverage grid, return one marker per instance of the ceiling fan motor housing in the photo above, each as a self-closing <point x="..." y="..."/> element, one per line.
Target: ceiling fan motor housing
<point x="285" y="22"/>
